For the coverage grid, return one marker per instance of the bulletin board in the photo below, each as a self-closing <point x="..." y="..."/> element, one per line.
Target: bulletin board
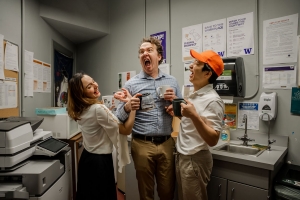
<point x="11" y="74"/>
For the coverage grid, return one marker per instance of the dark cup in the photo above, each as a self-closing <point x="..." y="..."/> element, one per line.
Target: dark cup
<point x="177" y="107"/>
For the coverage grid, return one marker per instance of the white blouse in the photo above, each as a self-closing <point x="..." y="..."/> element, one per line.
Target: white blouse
<point x="100" y="131"/>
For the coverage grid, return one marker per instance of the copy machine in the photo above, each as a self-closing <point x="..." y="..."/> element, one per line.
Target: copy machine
<point x="33" y="165"/>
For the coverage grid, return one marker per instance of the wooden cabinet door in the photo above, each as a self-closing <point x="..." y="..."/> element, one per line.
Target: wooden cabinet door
<point x="238" y="191"/>
<point x="76" y="147"/>
<point x="217" y="188"/>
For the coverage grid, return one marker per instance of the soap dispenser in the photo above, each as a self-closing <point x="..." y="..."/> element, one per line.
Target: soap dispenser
<point x="267" y="106"/>
<point x="225" y="132"/>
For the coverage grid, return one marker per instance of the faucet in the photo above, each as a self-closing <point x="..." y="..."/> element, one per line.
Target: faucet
<point x="269" y="141"/>
<point x="245" y="138"/>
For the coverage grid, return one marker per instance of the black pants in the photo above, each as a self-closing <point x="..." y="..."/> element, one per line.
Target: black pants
<point x="96" y="177"/>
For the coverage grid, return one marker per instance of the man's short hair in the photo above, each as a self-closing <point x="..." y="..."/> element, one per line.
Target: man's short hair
<point x="213" y="76"/>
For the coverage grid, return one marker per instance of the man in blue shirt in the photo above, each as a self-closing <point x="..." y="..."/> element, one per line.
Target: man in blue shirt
<point x="152" y="146"/>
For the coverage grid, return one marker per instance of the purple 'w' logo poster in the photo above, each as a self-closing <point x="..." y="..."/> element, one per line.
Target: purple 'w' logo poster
<point x="162" y="37"/>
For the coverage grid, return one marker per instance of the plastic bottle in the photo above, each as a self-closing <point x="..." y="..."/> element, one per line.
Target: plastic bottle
<point x="225" y="132"/>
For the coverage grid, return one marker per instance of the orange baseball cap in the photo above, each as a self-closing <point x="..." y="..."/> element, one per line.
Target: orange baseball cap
<point x="211" y="58"/>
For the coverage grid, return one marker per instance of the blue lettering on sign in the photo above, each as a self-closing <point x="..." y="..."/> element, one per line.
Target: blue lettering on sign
<point x="221" y="53"/>
<point x="248" y="51"/>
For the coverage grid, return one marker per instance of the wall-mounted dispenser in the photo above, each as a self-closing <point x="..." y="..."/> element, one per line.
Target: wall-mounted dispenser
<point x="267" y="106"/>
<point x="232" y="81"/>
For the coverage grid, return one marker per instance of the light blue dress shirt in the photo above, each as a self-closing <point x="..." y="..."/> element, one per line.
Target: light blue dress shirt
<point x="156" y="121"/>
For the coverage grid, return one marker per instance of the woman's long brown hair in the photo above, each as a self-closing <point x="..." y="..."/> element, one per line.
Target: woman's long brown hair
<point x="77" y="102"/>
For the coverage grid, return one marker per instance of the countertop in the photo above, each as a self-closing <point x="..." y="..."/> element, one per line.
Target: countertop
<point x="267" y="160"/>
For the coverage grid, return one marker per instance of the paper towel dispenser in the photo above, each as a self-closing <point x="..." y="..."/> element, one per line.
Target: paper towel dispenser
<point x="232" y="81"/>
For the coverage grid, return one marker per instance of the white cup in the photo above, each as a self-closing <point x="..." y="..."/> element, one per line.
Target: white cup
<point x="162" y="90"/>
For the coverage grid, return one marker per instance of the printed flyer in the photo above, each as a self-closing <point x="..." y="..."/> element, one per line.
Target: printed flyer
<point x="230" y="115"/>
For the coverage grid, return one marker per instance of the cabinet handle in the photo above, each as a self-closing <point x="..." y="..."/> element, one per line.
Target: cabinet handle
<point x="219" y="190"/>
<point x="232" y="190"/>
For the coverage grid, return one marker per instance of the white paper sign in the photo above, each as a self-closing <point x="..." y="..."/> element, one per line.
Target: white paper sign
<point x="280" y="40"/>
<point x="251" y="110"/>
<point x="214" y="36"/>
<point x="28" y="85"/>
<point x="11" y="57"/>
<point x="8" y="94"/>
<point x="37" y="76"/>
<point x="191" y="39"/>
<point x="46" y="77"/>
<point x="240" y="40"/>
<point x="279" y="77"/>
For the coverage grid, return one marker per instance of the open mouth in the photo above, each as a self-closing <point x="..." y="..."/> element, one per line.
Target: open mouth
<point x="192" y="73"/>
<point x="147" y="62"/>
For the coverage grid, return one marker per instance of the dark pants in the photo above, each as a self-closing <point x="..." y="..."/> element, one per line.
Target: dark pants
<point x="96" y="177"/>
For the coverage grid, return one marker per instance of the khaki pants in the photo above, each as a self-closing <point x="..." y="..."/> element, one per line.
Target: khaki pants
<point x="193" y="174"/>
<point x="154" y="160"/>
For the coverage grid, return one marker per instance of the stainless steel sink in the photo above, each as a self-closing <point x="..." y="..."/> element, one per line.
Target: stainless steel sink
<point x="239" y="149"/>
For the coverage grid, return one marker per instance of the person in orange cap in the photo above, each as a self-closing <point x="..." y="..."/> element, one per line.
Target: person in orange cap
<point x="200" y="127"/>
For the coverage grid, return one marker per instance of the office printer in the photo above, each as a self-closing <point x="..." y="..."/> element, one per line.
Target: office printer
<point x="33" y="165"/>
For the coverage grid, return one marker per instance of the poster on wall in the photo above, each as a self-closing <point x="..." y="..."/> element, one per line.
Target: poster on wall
<point x="214" y="36"/>
<point x="230" y="115"/>
<point x="37" y="75"/>
<point x="161" y="36"/>
<point x="280" y="40"/>
<point x="191" y="39"/>
<point x="46" y="77"/>
<point x="8" y="94"/>
<point x="295" y="101"/>
<point x="28" y="73"/>
<point x="63" y="71"/>
<point x="41" y="77"/>
<point x="125" y="76"/>
<point x="279" y="77"/>
<point x="240" y="38"/>
<point x="11" y="57"/>
<point x="250" y="109"/>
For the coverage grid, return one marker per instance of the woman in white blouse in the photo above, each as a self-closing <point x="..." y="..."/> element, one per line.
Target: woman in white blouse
<point x="99" y="128"/>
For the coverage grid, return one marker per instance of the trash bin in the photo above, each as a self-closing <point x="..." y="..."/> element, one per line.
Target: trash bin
<point x="287" y="183"/>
